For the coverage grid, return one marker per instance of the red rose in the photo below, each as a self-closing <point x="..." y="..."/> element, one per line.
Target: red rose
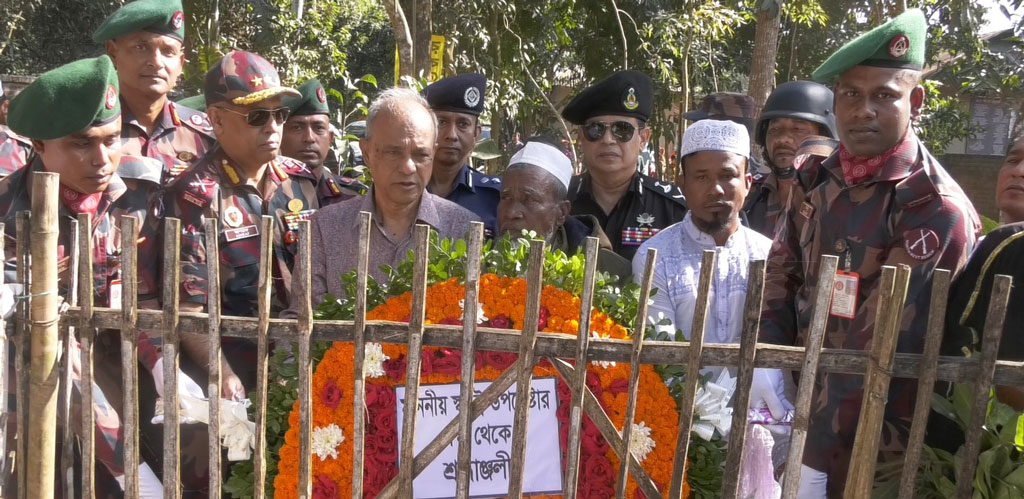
<point x="618" y="386"/>
<point x="591" y="440"/>
<point x="324" y="488"/>
<point x="331" y="395"/>
<point x="448" y="362"/>
<point x="596" y="478"/>
<point x="594" y="383"/>
<point x="499" y="360"/>
<point x="501" y="322"/>
<point x="395" y="368"/>
<point x="451" y="322"/>
<point x="542" y="322"/>
<point x="385" y="444"/>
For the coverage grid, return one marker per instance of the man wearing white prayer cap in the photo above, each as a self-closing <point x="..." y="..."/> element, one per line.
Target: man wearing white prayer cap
<point x="715" y="182"/>
<point x="534" y="192"/>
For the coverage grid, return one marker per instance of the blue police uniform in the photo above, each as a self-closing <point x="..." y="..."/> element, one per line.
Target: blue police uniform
<point x="478" y="193"/>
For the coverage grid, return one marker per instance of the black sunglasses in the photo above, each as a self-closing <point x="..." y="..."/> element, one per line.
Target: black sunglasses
<point x="623" y="131"/>
<point x="260" y="117"/>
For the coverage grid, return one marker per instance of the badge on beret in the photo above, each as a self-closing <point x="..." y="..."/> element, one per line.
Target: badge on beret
<point x="471" y="97"/>
<point x="321" y="95"/>
<point x="233" y="216"/>
<point x="921" y="244"/>
<point x="177" y="20"/>
<point x="111" y="99"/>
<point x="899" y="46"/>
<point x="630" y="101"/>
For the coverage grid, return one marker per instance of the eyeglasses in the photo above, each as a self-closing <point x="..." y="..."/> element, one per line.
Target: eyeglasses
<point x="623" y="131"/>
<point x="260" y="117"/>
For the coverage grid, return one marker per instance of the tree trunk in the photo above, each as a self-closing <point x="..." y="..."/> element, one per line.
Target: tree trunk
<point x="403" y="38"/>
<point x="421" y="36"/>
<point x="766" y="48"/>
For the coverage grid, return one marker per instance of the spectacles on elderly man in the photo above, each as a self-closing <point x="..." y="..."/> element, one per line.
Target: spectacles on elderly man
<point x="260" y="117"/>
<point x="622" y="131"/>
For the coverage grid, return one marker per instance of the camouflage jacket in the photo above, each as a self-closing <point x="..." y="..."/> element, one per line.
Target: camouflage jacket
<point x="15" y="151"/>
<point x="763" y="204"/>
<point x="911" y="212"/>
<point x="181" y="136"/>
<point x="213" y="188"/>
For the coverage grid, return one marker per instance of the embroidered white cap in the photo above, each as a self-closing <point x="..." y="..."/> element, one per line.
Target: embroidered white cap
<point x="716" y="135"/>
<point x="547" y="157"/>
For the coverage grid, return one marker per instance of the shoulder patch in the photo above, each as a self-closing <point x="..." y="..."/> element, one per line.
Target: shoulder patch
<point x="195" y="120"/>
<point x="294" y="168"/>
<point x="664" y="189"/>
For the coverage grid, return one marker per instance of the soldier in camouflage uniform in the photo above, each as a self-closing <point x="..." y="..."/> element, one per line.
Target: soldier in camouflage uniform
<point x="145" y="40"/>
<point x="882" y="199"/>
<point x="631" y="207"/>
<point x="73" y="115"/>
<point x="236" y="184"/>
<point x="794" y="111"/>
<point x="14" y="149"/>
<point x="307" y="137"/>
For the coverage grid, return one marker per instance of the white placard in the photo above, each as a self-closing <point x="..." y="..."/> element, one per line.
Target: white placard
<point x="492" y="441"/>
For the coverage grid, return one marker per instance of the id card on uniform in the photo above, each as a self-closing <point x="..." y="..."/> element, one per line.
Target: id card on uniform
<point x="115" y="294"/>
<point x="844" y="295"/>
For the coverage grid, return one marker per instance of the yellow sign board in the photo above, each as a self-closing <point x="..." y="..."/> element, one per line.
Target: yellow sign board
<point x="436" y="60"/>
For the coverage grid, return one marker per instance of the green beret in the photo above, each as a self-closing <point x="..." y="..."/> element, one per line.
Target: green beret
<point x="899" y="43"/>
<point x="69" y="99"/>
<point x="163" y="17"/>
<point x="312" y="101"/>
<point x="197" y="102"/>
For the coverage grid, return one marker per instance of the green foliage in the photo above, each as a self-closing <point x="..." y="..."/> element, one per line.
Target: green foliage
<point x="706" y="471"/>
<point x="1000" y="473"/>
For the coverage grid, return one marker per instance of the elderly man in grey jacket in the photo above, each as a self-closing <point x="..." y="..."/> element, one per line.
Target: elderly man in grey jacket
<point x="401" y="132"/>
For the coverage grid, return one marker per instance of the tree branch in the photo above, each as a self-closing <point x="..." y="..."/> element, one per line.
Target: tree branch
<point x="622" y="32"/>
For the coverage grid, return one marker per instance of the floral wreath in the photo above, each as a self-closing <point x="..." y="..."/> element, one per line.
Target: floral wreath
<point x="502" y="299"/>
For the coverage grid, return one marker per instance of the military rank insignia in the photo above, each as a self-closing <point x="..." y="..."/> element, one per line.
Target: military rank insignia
<point x="635" y="236"/>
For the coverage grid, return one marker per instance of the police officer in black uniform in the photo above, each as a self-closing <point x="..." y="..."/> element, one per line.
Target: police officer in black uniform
<point x="793" y="112"/>
<point x="457" y="102"/>
<point x="631" y="207"/>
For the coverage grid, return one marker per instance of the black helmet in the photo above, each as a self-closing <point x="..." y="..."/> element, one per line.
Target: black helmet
<point x="803" y="100"/>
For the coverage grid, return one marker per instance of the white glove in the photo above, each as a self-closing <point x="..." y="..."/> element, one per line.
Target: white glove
<point x="9" y="294"/>
<point x="187" y="389"/>
<point x="768" y="389"/>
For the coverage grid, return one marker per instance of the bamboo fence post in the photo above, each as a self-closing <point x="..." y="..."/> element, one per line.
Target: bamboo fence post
<point x="469" y="319"/>
<point x="579" y="383"/>
<point x="808" y="375"/>
<point x="892" y="294"/>
<point x="210" y="233"/>
<point x="359" y="340"/>
<point x="23" y="228"/>
<point x="744" y="377"/>
<point x="67" y="454"/>
<point x="527" y="342"/>
<point x="926" y="381"/>
<point x="87" y="333"/>
<point x="304" y="327"/>
<point x="130" y="354"/>
<point x="4" y="376"/>
<point x="262" y="346"/>
<point x="634" y="368"/>
<point x="171" y="338"/>
<point x="421" y="233"/>
<point x="696" y="346"/>
<point x="44" y="374"/>
<point x="983" y="383"/>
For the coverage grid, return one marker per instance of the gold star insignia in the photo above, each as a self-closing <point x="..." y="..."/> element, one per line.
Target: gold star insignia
<point x="257" y="81"/>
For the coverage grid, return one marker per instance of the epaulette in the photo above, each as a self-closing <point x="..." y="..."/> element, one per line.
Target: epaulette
<point x="758" y="177"/>
<point x="663" y="189"/>
<point x="140" y="168"/>
<point x="7" y="133"/>
<point x="194" y="120"/>
<point x="487" y="181"/>
<point x="294" y="168"/>
<point x="343" y="185"/>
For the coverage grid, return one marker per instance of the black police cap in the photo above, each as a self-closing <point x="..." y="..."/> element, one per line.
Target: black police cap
<point x="461" y="94"/>
<point x="625" y="93"/>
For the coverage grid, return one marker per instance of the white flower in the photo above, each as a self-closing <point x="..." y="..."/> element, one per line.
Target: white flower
<point x="480" y="317"/>
<point x="605" y="364"/>
<point x="711" y="407"/>
<point x="373" y="360"/>
<point x="640" y="442"/>
<point x="326" y="441"/>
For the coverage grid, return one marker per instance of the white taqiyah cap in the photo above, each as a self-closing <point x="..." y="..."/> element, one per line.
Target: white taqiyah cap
<point x="547" y="157"/>
<point x="716" y="135"/>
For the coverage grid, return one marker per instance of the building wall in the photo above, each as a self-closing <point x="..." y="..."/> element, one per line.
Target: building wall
<point x="977" y="177"/>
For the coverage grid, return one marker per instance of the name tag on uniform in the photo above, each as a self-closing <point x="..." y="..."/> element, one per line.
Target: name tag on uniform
<point x="241" y="233"/>
<point x="844" y="295"/>
<point x="115" y="294"/>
